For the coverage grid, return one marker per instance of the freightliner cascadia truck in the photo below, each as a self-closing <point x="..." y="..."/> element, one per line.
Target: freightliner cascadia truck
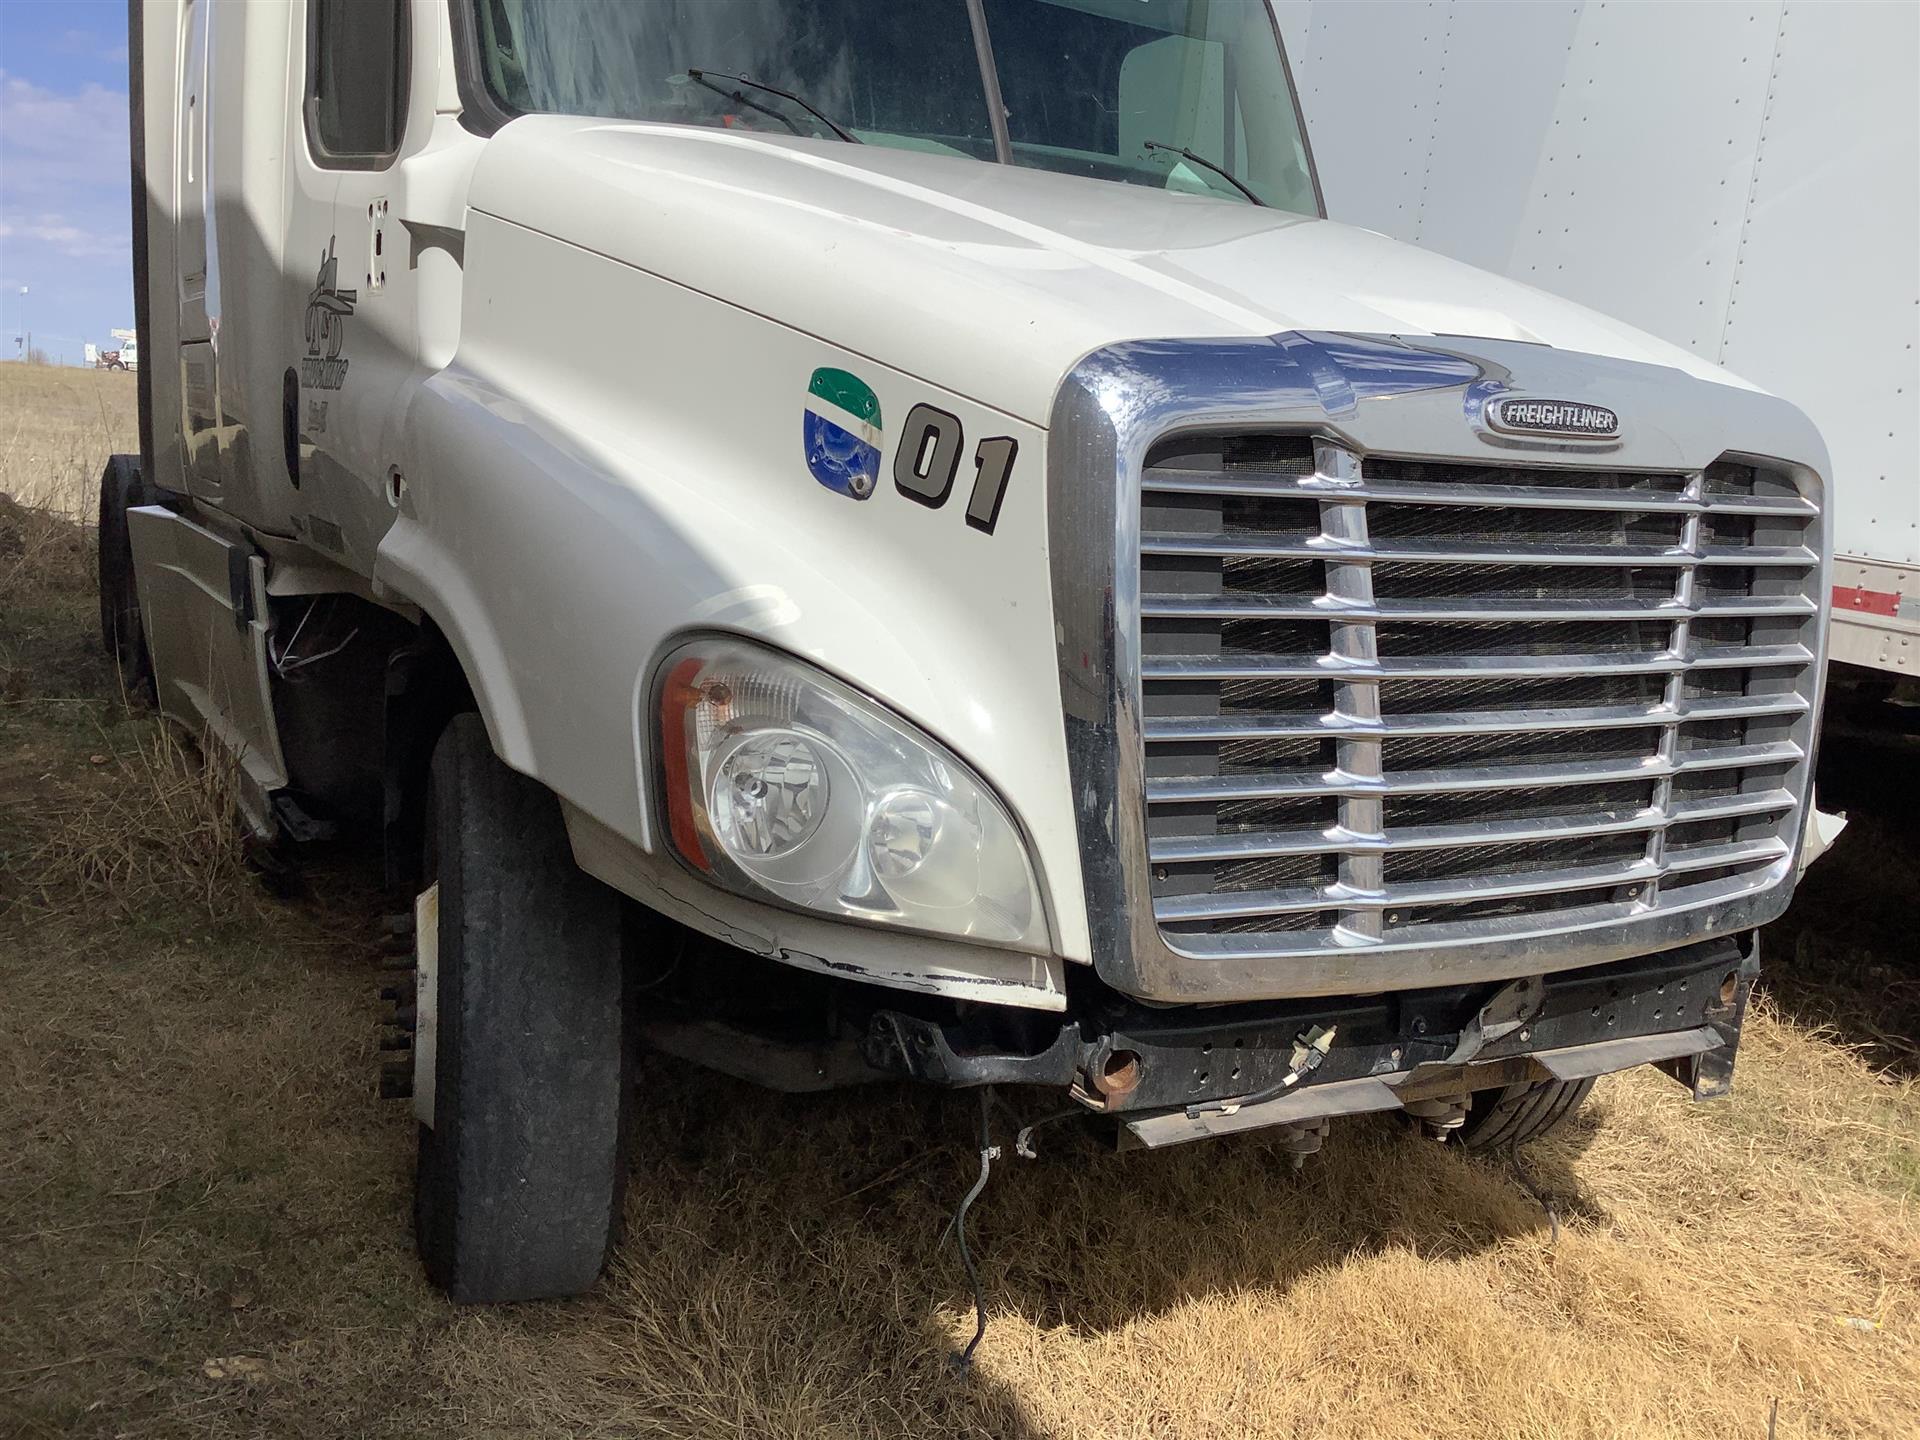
<point x="853" y="541"/>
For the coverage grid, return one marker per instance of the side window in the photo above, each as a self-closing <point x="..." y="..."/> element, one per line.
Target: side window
<point x="356" y="81"/>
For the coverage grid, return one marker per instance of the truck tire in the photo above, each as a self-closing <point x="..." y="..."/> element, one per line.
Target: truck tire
<point x="122" y="632"/>
<point x="521" y="1174"/>
<point x="1520" y="1113"/>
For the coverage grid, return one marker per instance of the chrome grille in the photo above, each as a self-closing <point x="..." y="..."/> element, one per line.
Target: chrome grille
<point x="1401" y="701"/>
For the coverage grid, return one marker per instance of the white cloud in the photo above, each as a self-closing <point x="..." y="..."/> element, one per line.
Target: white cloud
<point x="64" y="182"/>
<point x="91" y="44"/>
<point x="50" y="143"/>
<point x="65" y="236"/>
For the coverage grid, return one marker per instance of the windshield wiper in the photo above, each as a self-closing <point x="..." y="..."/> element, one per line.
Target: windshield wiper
<point x="709" y="77"/>
<point x="1206" y="164"/>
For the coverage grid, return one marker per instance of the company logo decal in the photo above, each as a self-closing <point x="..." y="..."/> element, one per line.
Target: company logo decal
<point x="842" y="432"/>
<point x="1572" y="419"/>
<point x="327" y="310"/>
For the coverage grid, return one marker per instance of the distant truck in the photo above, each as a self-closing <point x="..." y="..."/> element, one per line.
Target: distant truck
<point x="127" y="357"/>
<point x="1036" y="605"/>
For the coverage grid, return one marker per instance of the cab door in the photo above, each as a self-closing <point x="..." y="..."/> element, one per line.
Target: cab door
<point x="349" y="330"/>
<point x="198" y="381"/>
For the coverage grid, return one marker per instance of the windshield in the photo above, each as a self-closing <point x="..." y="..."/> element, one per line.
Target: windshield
<point x="1110" y="89"/>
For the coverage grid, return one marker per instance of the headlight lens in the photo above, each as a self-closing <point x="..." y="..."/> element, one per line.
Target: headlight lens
<point x="783" y="783"/>
<point x="769" y="795"/>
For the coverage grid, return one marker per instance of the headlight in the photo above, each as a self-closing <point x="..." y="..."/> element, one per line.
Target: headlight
<point x="783" y="784"/>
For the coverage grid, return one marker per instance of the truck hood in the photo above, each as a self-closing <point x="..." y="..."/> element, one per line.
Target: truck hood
<point x="991" y="280"/>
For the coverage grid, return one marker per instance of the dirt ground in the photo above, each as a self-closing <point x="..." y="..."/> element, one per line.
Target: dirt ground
<point x="205" y="1210"/>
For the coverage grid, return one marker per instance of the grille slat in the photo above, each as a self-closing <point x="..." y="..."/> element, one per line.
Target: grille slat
<point x="1248" y="666"/>
<point x="1179" y="789"/>
<point x="1175" y="850"/>
<point x="1445" y="553"/>
<point x="1461" y="890"/>
<point x="1254" y="606"/>
<point x="1213" y="482"/>
<point x="1469" y="722"/>
<point x="1386" y="700"/>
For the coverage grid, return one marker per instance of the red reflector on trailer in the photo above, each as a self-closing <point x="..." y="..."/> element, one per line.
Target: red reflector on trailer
<point x="1866" y="602"/>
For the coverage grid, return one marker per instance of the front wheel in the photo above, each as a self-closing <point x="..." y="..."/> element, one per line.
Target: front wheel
<point x="522" y="1062"/>
<point x="1520" y="1113"/>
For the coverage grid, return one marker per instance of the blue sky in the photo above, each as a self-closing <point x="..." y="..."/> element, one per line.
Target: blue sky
<point x="64" y="203"/>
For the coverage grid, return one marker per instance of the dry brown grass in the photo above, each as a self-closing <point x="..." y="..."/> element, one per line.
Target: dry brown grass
<point x="143" y="823"/>
<point x="57" y="427"/>
<point x="204" y="1209"/>
<point x="156" y="824"/>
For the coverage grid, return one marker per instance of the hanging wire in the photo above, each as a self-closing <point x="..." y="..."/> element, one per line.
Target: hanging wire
<point x="1023" y="1142"/>
<point x="286" y="662"/>
<point x="989" y="1152"/>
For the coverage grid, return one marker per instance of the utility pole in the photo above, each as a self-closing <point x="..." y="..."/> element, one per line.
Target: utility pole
<point x="26" y="340"/>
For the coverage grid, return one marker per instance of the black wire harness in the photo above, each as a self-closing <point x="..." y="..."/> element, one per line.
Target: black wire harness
<point x="989" y="1152"/>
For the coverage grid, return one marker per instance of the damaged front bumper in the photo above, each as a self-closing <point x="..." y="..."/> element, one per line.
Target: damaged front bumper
<point x="1172" y="1075"/>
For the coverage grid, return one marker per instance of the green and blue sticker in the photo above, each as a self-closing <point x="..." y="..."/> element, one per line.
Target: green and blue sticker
<point x="842" y="432"/>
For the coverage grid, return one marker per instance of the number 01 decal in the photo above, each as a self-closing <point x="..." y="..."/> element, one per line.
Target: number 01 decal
<point x="993" y="462"/>
<point x="928" y="459"/>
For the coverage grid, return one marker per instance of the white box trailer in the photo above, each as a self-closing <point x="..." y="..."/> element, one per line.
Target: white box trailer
<point x="1740" y="179"/>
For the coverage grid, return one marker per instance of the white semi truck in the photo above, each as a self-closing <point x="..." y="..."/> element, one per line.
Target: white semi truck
<point x="1035" y="605"/>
